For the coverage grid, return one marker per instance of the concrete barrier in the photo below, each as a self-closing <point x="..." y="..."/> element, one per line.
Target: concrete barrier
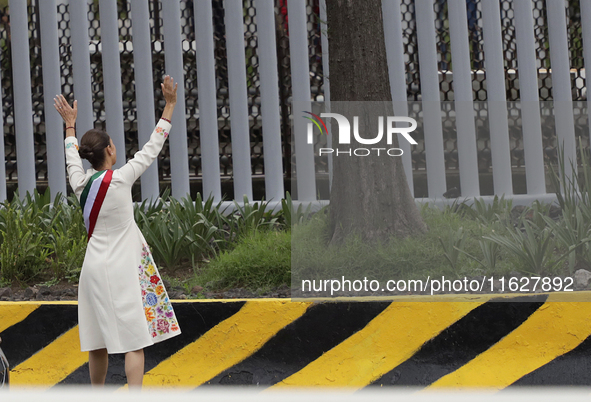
<point x="451" y="341"/>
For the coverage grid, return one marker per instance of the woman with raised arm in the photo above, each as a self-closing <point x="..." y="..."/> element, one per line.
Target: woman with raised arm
<point x="122" y="304"/>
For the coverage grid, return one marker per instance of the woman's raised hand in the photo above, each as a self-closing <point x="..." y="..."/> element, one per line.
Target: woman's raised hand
<point x="67" y="112"/>
<point x="169" y="89"/>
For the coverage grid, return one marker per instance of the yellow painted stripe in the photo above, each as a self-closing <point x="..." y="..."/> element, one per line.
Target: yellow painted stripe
<point x="226" y="344"/>
<point x="388" y="340"/>
<point x="11" y="314"/>
<point x="553" y="330"/>
<point x="51" y="364"/>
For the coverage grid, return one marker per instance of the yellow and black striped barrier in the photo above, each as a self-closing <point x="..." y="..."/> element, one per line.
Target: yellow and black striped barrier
<point x="459" y="341"/>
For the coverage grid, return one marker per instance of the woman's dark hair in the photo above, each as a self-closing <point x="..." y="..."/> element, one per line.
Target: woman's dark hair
<point x="92" y="147"/>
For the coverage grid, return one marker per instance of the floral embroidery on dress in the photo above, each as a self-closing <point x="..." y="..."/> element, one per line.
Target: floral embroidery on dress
<point x="161" y="131"/>
<point x="157" y="306"/>
<point x="70" y="145"/>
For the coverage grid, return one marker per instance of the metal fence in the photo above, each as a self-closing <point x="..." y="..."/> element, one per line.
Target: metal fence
<point x="251" y="14"/>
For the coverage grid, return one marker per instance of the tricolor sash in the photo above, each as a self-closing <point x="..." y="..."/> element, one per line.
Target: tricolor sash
<point x="93" y="196"/>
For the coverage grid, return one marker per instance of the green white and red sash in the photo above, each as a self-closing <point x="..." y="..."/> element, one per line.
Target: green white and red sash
<point x="93" y="196"/>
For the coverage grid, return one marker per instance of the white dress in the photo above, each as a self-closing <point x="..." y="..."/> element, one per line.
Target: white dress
<point x="122" y="303"/>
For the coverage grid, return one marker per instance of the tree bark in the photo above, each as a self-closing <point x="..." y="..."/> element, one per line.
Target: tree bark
<point x="369" y="195"/>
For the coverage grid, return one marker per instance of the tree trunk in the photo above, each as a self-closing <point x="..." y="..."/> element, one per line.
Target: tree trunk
<point x="369" y="195"/>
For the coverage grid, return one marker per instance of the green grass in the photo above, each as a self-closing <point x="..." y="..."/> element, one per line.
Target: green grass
<point x="260" y="261"/>
<point x="463" y="240"/>
<point x="410" y="258"/>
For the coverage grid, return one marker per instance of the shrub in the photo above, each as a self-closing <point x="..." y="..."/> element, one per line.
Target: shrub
<point x="261" y="260"/>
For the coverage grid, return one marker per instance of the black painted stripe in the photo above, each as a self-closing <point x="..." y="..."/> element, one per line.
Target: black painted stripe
<point x="321" y="328"/>
<point x="195" y="319"/>
<point x="461" y="342"/>
<point x="572" y="368"/>
<point x="38" y="330"/>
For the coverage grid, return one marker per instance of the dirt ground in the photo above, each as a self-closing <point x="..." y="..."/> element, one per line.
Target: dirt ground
<point x="69" y="291"/>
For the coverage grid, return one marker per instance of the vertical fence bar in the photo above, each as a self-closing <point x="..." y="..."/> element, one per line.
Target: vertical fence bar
<point x="300" y="83"/>
<point x="23" y="105"/>
<point x="267" y="50"/>
<point x="208" y="119"/>
<point x="173" y="57"/>
<point x="241" y="166"/>
<point x="561" y="83"/>
<point x="537" y="7"/>
<point x="497" y="99"/>
<point x="112" y="74"/>
<point x="3" y="194"/>
<point x="54" y="133"/>
<point x="392" y="20"/>
<point x="144" y="90"/>
<point x="430" y="96"/>
<point x="81" y="66"/>
<point x="530" y="106"/>
<point x="586" y="33"/>
<point x="462" y="76"/>
<point x="326" y="83"/>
